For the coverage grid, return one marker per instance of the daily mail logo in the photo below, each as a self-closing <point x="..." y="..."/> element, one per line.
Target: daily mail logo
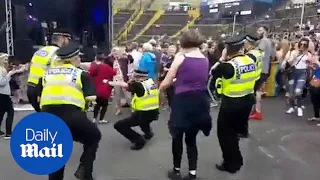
<point x="41" y="143"/>
<point x="33" y="150"/>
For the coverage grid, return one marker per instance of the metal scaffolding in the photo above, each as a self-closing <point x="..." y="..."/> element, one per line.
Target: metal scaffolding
<point x="9" y="29"/>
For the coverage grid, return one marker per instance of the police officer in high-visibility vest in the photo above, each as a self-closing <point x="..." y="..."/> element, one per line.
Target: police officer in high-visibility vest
<point x="41" y="60"/>
<point x="64" y="90"/>
<point x="237" y="75"/>
<point x="253" y="51"/>
<point x="145" y="107"/>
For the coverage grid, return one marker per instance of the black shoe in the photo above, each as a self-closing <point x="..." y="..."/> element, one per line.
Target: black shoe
<point x="174" y="175"/>
<point x="148" y="136"/>
<point x="189" y="177"/>
<point x="2" y="134"/>
<point x="221" y="167"/>
<point x="125" y="105"/>
<point x="138" y="145"/>
<point x="243" y="135"/>
<point x="7" y="136"/>
<point x="81" y="174"/>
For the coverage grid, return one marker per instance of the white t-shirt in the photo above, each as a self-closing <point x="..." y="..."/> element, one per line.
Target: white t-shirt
<point x="301" y="61"/>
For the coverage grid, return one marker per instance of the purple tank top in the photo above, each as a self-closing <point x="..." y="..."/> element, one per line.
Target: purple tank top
<point x="192" y="75"/>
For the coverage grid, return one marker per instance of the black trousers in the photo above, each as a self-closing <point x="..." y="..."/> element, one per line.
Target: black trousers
<point x="83" y="131"/>
<point x="33" y="97"/>
<point x="192" y="151"/>
<point x="139" y="118"/>
<point x="100" y="107"/>
<point x="231" y="122"/>
<point x="315" y="99"/>
<point x="6" y="107"/>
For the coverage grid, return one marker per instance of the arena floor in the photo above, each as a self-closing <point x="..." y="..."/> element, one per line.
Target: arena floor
<point x="281" y="147"/>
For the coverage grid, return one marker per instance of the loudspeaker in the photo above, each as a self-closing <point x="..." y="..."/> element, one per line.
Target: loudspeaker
<point x="21" y="22"/>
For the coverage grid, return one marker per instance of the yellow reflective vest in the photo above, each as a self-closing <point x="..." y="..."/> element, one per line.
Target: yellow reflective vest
<point x="62" y="85"/>
<point x="243" y="80"/>
<point x="256" y="55"/>
<point x="150" y="99"/>
<point x="40" y="62"/>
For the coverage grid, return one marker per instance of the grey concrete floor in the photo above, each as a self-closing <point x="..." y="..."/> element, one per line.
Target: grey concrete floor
<point x="281" y="147"/>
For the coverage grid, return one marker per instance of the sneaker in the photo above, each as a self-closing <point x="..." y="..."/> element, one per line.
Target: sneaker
<point x="256" y="116"/>
<point x="314" y="119"/>
<point x="189" y="177"/>
<point x="2" y="134"/>
<point x="174" y="175"/>
<point x="290" y="111"/>
<point x="300" y="112"/>
<point x="7" y="136"/>
<point x="94" y="120"/>
<point x="103" y="121"/>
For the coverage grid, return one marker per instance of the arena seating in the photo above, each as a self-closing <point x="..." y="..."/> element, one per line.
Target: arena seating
<point x="157" y="18"/>
<point x="120" y="19"/>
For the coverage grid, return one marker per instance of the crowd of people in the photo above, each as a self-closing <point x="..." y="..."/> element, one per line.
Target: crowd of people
<point x="230" y="73"/>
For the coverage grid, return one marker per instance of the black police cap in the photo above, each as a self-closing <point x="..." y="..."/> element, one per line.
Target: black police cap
<point x="69" y="51"/>
<point x="252" y="38"/>
<point x="236" y="40"/>
<point x="62" y="32"/>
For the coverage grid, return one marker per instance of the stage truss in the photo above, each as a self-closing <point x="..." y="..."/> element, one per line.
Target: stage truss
<point x="9" y="29"/>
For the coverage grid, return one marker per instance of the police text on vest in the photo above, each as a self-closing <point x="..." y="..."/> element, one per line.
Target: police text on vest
<point x="32" y="149"/>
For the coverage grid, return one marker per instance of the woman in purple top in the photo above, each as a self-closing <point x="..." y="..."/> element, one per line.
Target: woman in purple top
<point x="190" y="111"/>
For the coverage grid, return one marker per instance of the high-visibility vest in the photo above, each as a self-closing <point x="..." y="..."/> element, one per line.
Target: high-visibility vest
<point x="40" y="62"/>
<point x="256" y="56"/>
<point x="150" y="99"/>
<point x="62" y="85"/>
<point x="244" y="78"/>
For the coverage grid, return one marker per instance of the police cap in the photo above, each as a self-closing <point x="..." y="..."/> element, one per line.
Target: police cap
<point x="236" y="40"/>
<point x="62" y="32"/>
<point x="251" y="38"/>
<point x="69" y="51"/>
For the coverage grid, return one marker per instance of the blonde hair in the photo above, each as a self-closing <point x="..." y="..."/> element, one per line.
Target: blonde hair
<point x="3" y="57"/>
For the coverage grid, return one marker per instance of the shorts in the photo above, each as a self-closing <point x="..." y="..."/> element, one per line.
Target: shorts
<point x="263" y="78"/>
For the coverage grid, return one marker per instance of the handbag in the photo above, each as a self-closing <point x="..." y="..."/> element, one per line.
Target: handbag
<point x="291" y="68"/>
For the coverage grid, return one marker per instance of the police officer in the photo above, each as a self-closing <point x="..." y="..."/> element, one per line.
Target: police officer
<point x="238" y="76"/>
<point x="66" y="88"/>
<point x="256" y="54"/>
<point x="41" y="60"/>
<point x="145" y="107"/>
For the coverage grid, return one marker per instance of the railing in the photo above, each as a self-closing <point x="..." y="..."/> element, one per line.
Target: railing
<point x="136" y="12"/>
<point x="124" y="35"/>
<point x="155" y="17"/>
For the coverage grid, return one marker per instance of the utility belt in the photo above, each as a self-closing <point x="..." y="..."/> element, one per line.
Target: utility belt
<point x="32" y="84"/>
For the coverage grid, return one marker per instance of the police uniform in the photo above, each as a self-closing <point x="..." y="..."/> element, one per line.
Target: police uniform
<point x="237" y="79"/>
<point x="64" y="88"/>
<point x="145" y="107"/>
<point x="40" y="62"/>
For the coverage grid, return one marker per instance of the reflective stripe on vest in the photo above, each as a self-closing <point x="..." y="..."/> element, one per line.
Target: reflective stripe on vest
<point x="150" y="100"/>
<point x="40" y="62"/>
<point x="62" y="99"/>
<point x="74" y="85"/>
<point x="62" y="85"/>
<point x="243" y="81"/>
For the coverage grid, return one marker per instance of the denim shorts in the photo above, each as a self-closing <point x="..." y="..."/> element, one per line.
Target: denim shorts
<point x="297" y="80"/>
